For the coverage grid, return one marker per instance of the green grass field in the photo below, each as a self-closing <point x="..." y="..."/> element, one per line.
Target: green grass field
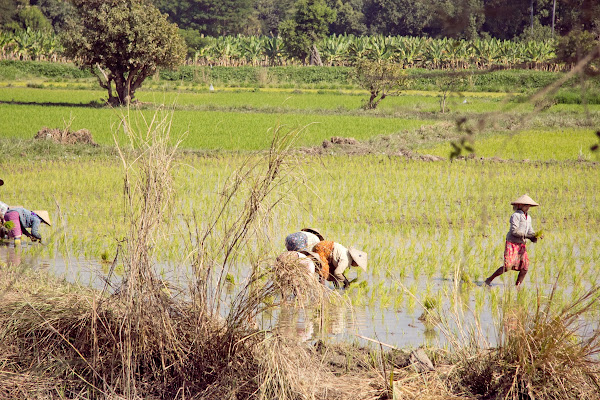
<point x="539" y="145"/>
<point x="202" y="129"/>
<point x="422" y="223"/>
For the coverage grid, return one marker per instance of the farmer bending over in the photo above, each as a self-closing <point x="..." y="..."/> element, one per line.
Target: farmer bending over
<point x="335" y="258"/>
<point x="515" y="253"/>
<point x="23" y="219"/>
<point x="3" y="210"/>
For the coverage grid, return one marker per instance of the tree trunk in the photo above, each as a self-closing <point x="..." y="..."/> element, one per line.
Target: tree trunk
<point x="315" y="57"/>
<point x="532" y="16"/>
<point x="122" y="89"/>
<point x="553" y="16"/>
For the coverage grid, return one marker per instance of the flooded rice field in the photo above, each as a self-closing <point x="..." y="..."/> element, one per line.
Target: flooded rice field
<point x="433" y="233"/>
<point x="386" y="308"/>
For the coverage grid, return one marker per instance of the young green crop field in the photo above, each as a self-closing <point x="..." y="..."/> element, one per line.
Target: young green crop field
<point x="423" y="224"/>
<point x="226" y="130"/>
<point x="428" y="227"/>
<point x="541" y="145"/>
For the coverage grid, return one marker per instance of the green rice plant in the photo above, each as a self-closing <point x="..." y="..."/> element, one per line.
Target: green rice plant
<point x="543" y="145"/>
<point x="430" y="303"/>
<point x="207" y="130"/>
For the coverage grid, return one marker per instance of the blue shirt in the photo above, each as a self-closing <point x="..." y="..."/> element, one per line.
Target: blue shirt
<point x="30" y="220"/>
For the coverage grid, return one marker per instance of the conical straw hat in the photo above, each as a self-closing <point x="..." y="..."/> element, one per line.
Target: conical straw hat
<point x="44" y="216"/>
<point x="359" y="257"/>
<point x="525" y="200"/>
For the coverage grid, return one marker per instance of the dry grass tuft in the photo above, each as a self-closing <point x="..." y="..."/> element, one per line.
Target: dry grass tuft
<point x="291" y="279"/>
<point x="543" y="354"/>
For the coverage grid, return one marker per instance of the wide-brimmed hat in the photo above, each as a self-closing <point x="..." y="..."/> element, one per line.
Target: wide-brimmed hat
<point x="359" y="257"/>
<point x="44" y="216"/>
<point x="314" y="232"/>
<point x="525" y="200"/>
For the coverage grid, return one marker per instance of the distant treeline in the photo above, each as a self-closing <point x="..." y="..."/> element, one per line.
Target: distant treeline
<point x="458" y="19"/>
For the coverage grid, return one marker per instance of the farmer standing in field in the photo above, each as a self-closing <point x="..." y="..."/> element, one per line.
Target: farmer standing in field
<point x="335" y="258"/>
<point x="303" y="240"/>
<point x="515" y="253"/>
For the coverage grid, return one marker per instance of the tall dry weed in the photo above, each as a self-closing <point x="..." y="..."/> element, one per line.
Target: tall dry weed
<point x="135" y="339"/>
<point x="547" y="352"/>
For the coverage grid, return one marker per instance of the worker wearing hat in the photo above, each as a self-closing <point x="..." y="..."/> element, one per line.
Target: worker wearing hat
<point x="335" y="259"/>
<point x="303" y="240"/>
<point x="515" y="253"/>
<point x="23" y="219"/>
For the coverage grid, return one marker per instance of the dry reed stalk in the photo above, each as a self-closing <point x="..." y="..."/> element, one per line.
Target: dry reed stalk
<point x="551" y="354"/>
<point x="292" y="280"/>
<point x="543" y="353"/>
<point x="260" y="184"/>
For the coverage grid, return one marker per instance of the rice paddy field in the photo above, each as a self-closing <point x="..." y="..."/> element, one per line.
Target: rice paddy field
<point x="434" y="230"/>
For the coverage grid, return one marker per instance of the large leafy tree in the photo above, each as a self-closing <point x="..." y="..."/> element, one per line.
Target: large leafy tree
<point x="309" y="24"/>
<point x="209" y="17"/>
<point x="57" y="11"/>
<point x="349" y="19"/>
<point x="506" y="19"/>
<point x="397" y="17"/>
<point x="578" y="15"/>
<point x="8" y="13"/>
<point x="31" y="17"/>
<point x="271" y="13"/>
<point x="460" y="19"/>
<point x="381" y="78"/>
<point x="122" y="42"/>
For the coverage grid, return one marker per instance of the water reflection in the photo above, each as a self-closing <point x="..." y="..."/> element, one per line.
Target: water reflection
<point x="396" y="325"/>
<point x="295" y="323"/>
<point x="14" y="256"/>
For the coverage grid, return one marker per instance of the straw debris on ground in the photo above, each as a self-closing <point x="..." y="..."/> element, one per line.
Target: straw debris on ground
<point x="66" y="136"/>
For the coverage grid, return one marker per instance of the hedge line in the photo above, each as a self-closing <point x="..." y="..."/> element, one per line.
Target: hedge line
<point x="257" y="76"/>
<point x="12" y="69"/>
<point x="419" y="79"/>
<point x="294" y="76"/>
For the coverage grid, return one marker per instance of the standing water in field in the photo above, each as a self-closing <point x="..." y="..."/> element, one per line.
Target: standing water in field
<point x="397" y="326"/>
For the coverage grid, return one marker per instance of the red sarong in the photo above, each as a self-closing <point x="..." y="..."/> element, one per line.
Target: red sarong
<point x="515" y="257"/>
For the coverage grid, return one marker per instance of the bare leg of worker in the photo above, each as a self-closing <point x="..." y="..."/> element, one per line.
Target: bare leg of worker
<point x="521" y="276"/>
<point x="496" y="274"/>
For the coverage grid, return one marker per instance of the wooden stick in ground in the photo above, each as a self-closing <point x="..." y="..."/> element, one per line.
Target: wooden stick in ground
<point x="376" y="341"/>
